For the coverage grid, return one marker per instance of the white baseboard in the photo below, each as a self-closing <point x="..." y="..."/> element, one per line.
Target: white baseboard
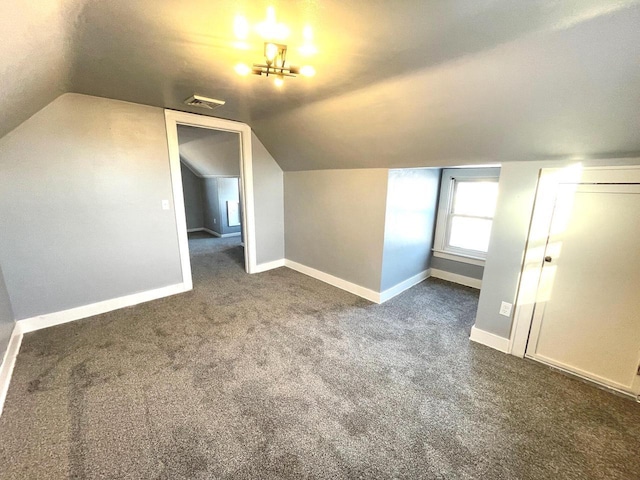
<point x="455" y="278"/>
<point x="9" y="361"/>
<point x="263" y="267"/>
<point x="489" y="339"/>
<point x="213" y="232"/>
<point x="220" y="235"/>
<point x="335" y="281"/>
<point x="50" y="319"/>
<point x="389" y="293"/>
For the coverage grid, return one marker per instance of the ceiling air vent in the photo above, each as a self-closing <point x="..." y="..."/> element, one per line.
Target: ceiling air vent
<point x="203" y="102"/>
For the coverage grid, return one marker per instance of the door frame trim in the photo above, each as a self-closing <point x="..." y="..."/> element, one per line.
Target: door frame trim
<point x="548" y="181"/>
<point x="174" y="118"/>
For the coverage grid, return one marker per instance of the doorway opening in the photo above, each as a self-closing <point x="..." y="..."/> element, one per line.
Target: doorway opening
<point x="214" y="155"/>
<point x="210" y="169"/>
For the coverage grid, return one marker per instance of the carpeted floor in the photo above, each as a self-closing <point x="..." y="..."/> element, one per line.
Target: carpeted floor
<point x="280" y="376"/>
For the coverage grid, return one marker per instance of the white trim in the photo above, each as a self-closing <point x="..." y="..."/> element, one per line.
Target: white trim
<point x="50" y="319"/>
<point x="263" y="267"/>
<point x="9" y="361"/>
<point x="335" y="281"/>
<point x="178" y="201"/>
<point x="445" y="206"/>
<point x="459" y="258"/>
<point x="521" y="327"/>
<point x="489" y="339"/>
<point x="214" y="233"/>
<point x="586" y="376"/>
<point x="220" y="235"/>
<point x="455" y="278"/>
<point x="172" y="119"/>
<point x="397" y="289"/>
<point x="219" y="176"/>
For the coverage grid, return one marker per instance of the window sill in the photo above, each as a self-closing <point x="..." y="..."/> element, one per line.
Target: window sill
<point x="457" y="257"/>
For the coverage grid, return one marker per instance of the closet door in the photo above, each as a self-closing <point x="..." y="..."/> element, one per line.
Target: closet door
<point x="587" y="314"/>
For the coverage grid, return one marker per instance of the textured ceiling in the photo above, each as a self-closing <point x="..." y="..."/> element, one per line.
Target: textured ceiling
<point x="402" y="83"/>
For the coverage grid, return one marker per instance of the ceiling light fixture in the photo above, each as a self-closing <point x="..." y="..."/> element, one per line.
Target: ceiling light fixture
<point x="274" y="35"/>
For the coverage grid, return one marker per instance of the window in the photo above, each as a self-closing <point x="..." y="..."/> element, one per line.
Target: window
<point x="465" y="214"/>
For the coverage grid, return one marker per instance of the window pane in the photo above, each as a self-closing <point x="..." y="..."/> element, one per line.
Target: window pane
<point x="477" y="199"/>
<point x="470" y="233"/>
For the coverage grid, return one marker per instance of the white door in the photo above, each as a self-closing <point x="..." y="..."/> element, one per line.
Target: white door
<point x="587" y="313"/>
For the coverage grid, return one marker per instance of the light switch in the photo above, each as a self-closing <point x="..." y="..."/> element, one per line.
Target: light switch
<point x="505" y="309"/>
<point x="165" y="204"/>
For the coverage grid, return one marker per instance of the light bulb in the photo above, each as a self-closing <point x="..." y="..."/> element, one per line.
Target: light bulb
<point x="307" y="71"/>
<point x="242" y="69"/>
<point x="241" y="27"/>
<point x="270" y="52"/>
<point x="278" y="82"/>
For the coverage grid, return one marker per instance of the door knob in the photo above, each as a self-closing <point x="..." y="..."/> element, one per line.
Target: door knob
<point x="548" y="259"/>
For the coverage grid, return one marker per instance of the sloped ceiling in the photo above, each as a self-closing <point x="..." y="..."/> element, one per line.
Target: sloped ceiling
<point x="411" y="83"/>
<point x="209" y="152"/>
<point x="36" y="52"/>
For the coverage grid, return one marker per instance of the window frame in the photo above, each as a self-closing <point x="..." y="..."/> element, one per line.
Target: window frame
<point x="450" y="176"/>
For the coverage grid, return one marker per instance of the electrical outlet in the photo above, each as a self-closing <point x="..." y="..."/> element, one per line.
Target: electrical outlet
<point x="165" y="204"/>
<point x="214" y="221"/>
<point x="505" y="309"/>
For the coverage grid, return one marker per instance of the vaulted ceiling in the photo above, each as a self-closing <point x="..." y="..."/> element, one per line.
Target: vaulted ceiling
<point x="402" y="83"/>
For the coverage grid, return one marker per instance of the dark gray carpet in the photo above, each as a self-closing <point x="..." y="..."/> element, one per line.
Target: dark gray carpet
<point x="277" y="375"/>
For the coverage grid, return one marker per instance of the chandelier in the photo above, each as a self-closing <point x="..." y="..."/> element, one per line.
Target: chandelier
<point x="274" y="36"/>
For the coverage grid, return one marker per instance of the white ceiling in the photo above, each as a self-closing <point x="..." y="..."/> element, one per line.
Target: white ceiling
<point x="399" y="83"/>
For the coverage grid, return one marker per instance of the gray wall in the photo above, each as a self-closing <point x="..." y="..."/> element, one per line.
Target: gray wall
<point x="228" y="190"/>
<point x="334" y="222"/>
<point x="193" y="199"/>
<point x="518" y="182"/>
<point x="412" y="200"/>
<point x="80" y="205"/>
<point x="210" y="205"/>
<point x="216" y="192"/>
<point x="459" y="268"/>
<point x="268" y="192"/>
<point x="7" y="323"/>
